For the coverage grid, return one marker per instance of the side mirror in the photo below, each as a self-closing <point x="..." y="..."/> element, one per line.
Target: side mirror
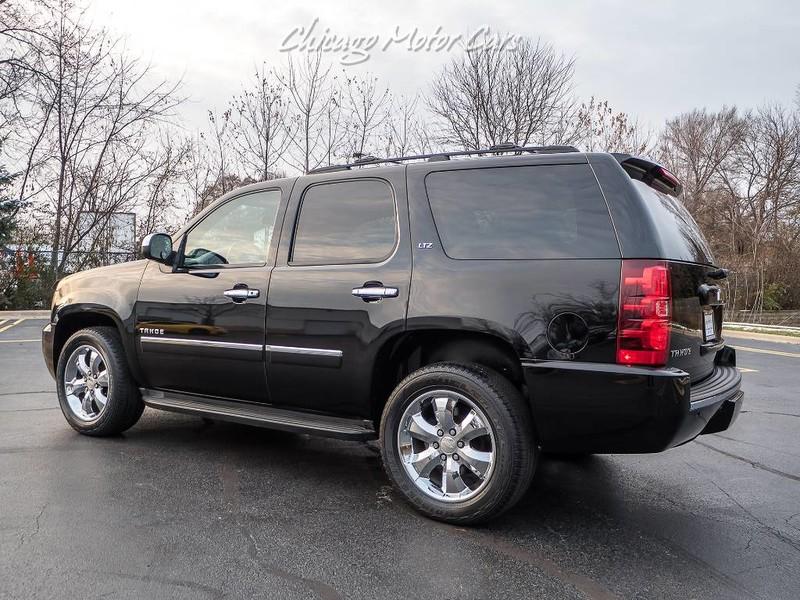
<point x="157" y="247"/>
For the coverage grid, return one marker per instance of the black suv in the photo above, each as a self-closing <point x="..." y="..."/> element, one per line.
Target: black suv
<point x="468" y="309"/>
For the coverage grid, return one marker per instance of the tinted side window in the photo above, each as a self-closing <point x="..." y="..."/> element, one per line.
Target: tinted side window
<point x="238" y="232"/>
<point x="547" y="211"/>
<point x="345" y="222"/>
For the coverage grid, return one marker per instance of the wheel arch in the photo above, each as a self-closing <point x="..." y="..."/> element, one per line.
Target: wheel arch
<point x="74" y="317"/>
<point x="411" y="350"/>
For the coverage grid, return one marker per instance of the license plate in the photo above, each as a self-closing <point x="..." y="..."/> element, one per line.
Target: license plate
<point x="709" y="330"/>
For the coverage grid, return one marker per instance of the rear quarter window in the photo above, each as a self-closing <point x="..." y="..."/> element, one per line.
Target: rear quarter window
<point x="527" y="212"/>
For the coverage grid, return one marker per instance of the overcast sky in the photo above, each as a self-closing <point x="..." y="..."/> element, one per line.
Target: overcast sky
<point x="651" y="59"/>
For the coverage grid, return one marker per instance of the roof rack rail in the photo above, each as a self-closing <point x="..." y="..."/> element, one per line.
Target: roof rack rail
<point x="505" y="148"/>
<point x="329" y="169"/>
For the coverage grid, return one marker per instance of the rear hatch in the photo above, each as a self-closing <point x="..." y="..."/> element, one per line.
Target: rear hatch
<point x="696" y="311"/>
<point x="696" y="330"/>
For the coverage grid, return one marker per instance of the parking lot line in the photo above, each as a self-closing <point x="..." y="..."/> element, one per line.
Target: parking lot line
<point x="765" y="351"/>
<point x="7" y="327"/>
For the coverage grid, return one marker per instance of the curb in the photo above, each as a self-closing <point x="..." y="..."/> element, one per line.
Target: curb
<point x="756" y="326"/>
<point x="735" y="334"/>
<point x="763" y="330"/>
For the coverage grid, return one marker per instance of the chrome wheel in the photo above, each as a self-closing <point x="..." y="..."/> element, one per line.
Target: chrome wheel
<point x="446" y="445"/>
<point x="87" y="383"/>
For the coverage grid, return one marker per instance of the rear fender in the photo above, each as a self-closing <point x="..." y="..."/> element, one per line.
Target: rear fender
<point x="472" y="325"/>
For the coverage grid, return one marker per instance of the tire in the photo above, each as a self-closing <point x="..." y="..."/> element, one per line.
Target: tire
<point x="510" y="442"/>
<point x="123" y="402"/>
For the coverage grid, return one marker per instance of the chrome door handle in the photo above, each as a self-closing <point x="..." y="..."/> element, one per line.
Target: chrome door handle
<point x="241" y="294"/>
<point x="376" y="293"/>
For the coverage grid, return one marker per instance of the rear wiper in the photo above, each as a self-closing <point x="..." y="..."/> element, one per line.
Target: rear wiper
<point x="718" y="274"/>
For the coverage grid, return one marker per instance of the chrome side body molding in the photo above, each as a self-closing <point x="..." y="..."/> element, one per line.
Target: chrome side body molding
<point x="307" y="351"/>
<point x="146" y="339"/>
<point x="320" y="357"/>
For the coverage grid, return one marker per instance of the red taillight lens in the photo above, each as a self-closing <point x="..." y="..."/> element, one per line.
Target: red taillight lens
<point x="645" y="309"/>
<point x="667" y="176"/>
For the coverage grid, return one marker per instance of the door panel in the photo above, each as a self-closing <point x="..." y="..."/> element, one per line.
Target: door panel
<point x="201" y="324"/>
<point x="323" y="340"/>
<point x="193" y="338"/>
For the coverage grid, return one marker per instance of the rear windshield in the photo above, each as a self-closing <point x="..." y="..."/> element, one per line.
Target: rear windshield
<point x="527" y="212"/>
<point x="681" y="238"/>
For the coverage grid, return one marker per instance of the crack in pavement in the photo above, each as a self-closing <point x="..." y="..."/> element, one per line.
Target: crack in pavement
<point x="23" y="539"/>
<point x="752" y="463"/>
<point x="789" y="521"/>
<point x="319" y="588"/>
<point x="769" y="412"/>
<point x="784" y="538"/>
<point x="690" y="555"/>
<point x="590" y="588"/>
<point x="770" y="448"/>
<point x="736" y="584"/>
<point x="207" y="590"/>
<point x="231" y="496"/>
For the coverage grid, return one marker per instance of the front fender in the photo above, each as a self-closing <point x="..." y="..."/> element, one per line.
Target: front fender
<point x="103" y="295"/>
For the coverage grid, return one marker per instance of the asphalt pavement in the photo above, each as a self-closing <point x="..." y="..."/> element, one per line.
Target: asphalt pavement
<point x="178" y="508"/>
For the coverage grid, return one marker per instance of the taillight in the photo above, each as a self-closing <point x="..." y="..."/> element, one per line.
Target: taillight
<point x="667" y="176"/>
<point x="645" y="309"/>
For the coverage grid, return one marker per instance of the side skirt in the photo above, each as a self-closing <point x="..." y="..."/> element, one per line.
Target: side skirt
<point x="260" y="415"/>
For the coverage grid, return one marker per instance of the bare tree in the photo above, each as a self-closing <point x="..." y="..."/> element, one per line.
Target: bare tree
<point x="316" y="112"/>
<point x="368" y="105"/>
<point x="493" y="95"/>
<point x="211" y="169"/>
<point x="259" y="125"/>
<point x="20" y="31"/>
<point x="763" y="178"/>
<point x="696" y="144"/>
<point x="405" y="130"/>
<point x="197" y="177"/>
<point x="87" y="142"/>
<point x="598" y="128"/>
<point x="742" y="184"/>
<point x="162" y="202"/>
<point x="334" y="125"/>
<point x="215" y="149"/>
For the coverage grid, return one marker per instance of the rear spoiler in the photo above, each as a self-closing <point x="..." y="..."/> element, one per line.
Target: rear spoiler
<point x="653" y="174"/>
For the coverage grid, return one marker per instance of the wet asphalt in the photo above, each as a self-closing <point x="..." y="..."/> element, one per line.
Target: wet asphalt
<point x="177" y="508"/>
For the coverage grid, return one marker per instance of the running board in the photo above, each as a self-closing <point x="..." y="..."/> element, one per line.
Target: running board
<point x="260" y="415"/>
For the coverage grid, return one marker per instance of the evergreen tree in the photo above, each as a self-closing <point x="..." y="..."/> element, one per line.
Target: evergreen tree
<point x="8" y="208"/>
